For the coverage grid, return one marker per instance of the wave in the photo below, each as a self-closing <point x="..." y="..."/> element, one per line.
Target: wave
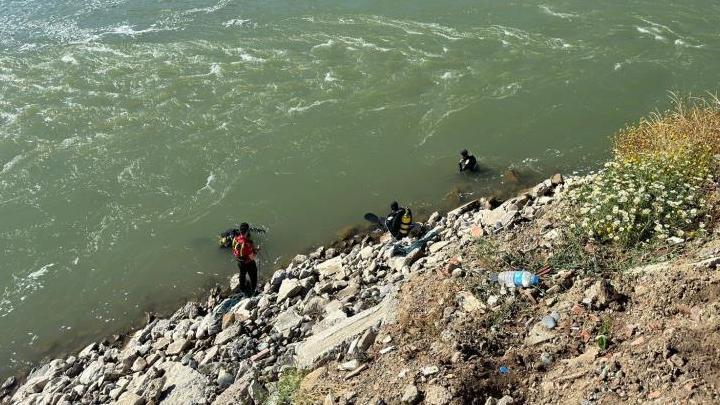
<point x="303" y="108"/>
<point x="547" y="10"/>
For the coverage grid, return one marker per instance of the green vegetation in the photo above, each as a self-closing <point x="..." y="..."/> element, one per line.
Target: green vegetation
<point x="288" y="386"/>
<point x="659" y="184"/>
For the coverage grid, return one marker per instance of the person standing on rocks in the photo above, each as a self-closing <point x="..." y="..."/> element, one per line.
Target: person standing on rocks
<point x="244" y="251"/>
<point x="468" y="162"/>
<point x="399" y="222"/>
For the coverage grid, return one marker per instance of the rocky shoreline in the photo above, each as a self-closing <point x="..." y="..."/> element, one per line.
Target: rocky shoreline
<point x="327" y="305"/>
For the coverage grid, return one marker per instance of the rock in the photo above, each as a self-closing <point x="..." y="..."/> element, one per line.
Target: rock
<point x="349" y="365"/>
<point x="286" y="321"/>
<point x="348" y="293"/>
<point x="438" y="246"/>
<point x="177" y="347"/>
<point x="277" y="278"/>
<point x="557" y="179"/>
<point x="85" y="353"/>
<point x="549" y="322"/>
<point x="225" y="379"/>
<point x="506" y="400"/>
<point x="154" y="390"/>
<point x="437" y="395"/>
<point x="322" y="343"/>
<point x="299" y="259"/>
<point x="366" y="252"/>
<point x="331" y="268"/>
<point x="139" y="364"/>
<point x="209" y="355"/>
<point x="429" y="370"/>
<point x="367" y="339"/>
<point x="93" y="372"/>
<point x="538" y="334"/>
<point x="130" y="398"/>
<point x="235" y="282"/>
<point x="9" y="382"/>
<point x="236" y="393"/>
<point x="183" y="385"/>
<point x="471" y="206"/>
<point x="289" y="289"/>
<point x="458" y="273"/>
<point x="468" y="302"/>
<point x="600" y="295"/>
<point x="227" y="335"/>
<point x="410" y="395"/>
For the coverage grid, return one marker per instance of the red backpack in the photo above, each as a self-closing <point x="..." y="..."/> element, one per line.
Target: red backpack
<point x="243" y="248"/>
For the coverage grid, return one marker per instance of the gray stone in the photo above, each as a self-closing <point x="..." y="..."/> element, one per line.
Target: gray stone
<point x="289" y="289"/>
<point x="367" y="339"/>
<point x="130" y="398"/>
<point x="139" y="364"/>
<point x="177" y="347"/>
<point x="349" y="365"/>
<point x="286" y="321"/>
<point x="93" y="372"/>
<point x="236" y="393"/>
<point x="225" y="379"/>
<point x="183" y="385"/>
<point x="227" y="334"/>
<point x="506" y="400"/>
<point x="600" y="295"/>
<point x="429" y="370"/>
<point x="438" y="246"/>
<point x="410" y="395"/>
<point x="331" y="268"/>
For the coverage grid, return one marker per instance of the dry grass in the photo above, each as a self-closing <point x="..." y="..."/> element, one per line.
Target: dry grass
<point x="691" y="129"/>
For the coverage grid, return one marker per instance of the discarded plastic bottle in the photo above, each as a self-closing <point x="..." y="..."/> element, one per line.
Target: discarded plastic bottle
<point x="517" y="278"/>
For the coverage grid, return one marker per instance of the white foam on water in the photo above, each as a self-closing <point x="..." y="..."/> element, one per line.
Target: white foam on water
<point x="215" y="69"/>
<point x="617" y="66"/>
<point x="208" y="182"/>
<point x="302" y="108"/>
<point x="327" y="44"/>
<point x="361" y="43"/>
<point x="69" y="59"/>
<point x="22" y="286"/>
<point x="239" y="22"/>
<point x="651" y="32"/>
<point x="329" y="77"/>
<point x="207" y="10"/>
<point x="10" y="164"/>
<point x="547" y="10"/>
<point x="506" y="91"/>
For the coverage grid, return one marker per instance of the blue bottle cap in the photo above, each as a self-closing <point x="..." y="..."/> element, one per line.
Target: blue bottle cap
<point x="535" y="280"/>
<point x="504" y="370"/>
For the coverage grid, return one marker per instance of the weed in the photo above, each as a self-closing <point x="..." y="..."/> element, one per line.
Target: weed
<point x="288" y="386"/>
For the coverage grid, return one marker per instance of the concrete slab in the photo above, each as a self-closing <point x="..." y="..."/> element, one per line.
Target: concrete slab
<point x="321" y="344"/>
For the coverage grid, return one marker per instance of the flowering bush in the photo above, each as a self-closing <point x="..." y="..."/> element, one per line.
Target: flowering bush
<point x="661" y="181"/>
<point x="655" y="197"/>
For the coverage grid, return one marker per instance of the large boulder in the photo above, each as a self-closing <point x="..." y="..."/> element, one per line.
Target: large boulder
<point x="288" y="289"/>
<point x="183" y="385"/>
<point x="286" y="321"/>
<point x="331" y="268"/>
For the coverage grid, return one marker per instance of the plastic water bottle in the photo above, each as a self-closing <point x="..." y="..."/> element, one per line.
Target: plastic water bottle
<point x="517" y="278"/>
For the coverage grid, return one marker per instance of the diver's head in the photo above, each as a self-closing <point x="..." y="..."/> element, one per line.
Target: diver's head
<point x="394" y="206"/>
<point x="464" y="153"/>
<point x="244" y="227"/>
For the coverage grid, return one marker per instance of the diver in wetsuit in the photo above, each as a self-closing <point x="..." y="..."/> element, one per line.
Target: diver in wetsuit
<point x="467" y="162"/>
<point x="399" y="221"/>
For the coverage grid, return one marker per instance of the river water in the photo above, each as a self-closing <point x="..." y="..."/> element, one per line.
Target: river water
<point x="132" y="131"/>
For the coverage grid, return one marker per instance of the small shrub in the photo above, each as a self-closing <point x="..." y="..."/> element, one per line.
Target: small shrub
<point x="288" y="386"/>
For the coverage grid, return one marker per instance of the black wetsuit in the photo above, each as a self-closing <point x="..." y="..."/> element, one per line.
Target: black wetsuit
<point x="394" y="220"/>
<point x="468" y="163"/>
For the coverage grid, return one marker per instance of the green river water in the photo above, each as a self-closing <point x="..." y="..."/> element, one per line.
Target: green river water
<point x="131" y="132"/>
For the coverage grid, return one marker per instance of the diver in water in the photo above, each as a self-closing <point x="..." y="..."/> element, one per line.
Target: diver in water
<point x="399" y="221"/>
<point x="467" y="162"/>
